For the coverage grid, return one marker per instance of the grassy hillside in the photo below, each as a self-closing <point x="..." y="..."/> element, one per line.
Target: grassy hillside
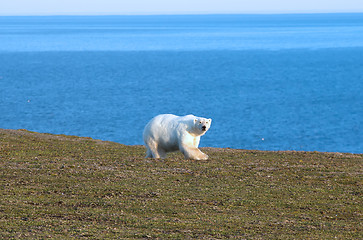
<point x="69" y="187"/>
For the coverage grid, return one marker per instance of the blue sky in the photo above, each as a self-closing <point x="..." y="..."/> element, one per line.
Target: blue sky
<point x="105" y="7"/>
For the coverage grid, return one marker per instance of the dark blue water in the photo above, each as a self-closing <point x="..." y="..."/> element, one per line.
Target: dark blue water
<point x="270" y="82"/>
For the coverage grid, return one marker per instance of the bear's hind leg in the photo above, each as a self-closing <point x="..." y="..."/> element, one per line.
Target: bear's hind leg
<point x="148" y="153"/>
<point x="155" y="151"/>
<point x="151" y="149"/>
<point x="161" y="152"/>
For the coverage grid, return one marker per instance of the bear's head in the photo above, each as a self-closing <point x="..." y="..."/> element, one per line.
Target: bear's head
<point x="202" y="125"/>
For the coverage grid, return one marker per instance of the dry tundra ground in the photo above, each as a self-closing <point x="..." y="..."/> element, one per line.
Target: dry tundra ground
<point x="62" y="187"/>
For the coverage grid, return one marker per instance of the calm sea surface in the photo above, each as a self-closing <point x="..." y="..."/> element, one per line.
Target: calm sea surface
<point x="269" y="82"/>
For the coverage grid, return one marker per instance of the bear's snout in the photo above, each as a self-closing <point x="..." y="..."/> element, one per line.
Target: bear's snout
<point x="204" y="128"/>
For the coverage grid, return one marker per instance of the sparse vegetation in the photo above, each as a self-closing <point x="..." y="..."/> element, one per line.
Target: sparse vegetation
<point x="69" y="187"/>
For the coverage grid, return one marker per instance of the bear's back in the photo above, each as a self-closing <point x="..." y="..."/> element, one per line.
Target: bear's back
<point x="165" y="119"/>
<point x="167" y="124"/>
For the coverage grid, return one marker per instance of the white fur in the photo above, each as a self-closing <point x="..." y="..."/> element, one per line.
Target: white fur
<point x="167" y="133"/>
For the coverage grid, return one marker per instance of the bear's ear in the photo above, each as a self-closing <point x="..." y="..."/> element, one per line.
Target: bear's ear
<point x="195" y="120"/>
<point x="210" y="120"/>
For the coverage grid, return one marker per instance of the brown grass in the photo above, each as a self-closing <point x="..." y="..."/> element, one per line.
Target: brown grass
<point x="57" y="186"/>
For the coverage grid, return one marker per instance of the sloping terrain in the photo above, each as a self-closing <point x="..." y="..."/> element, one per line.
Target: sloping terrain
<point x="70" y="187"/>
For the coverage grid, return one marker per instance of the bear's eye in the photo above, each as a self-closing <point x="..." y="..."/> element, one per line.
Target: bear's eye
<point x="200" y="122"/>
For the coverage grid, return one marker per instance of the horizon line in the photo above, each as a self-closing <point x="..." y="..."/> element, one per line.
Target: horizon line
<point x="177" y="13"/>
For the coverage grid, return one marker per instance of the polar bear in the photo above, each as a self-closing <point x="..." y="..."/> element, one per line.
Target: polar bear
<point x="167" y="133"/>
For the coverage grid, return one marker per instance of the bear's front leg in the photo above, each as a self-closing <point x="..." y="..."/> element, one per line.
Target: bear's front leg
<point x="191" y="152"/>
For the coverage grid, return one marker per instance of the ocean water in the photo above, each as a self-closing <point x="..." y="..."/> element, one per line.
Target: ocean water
<point x="269" y="82"/>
